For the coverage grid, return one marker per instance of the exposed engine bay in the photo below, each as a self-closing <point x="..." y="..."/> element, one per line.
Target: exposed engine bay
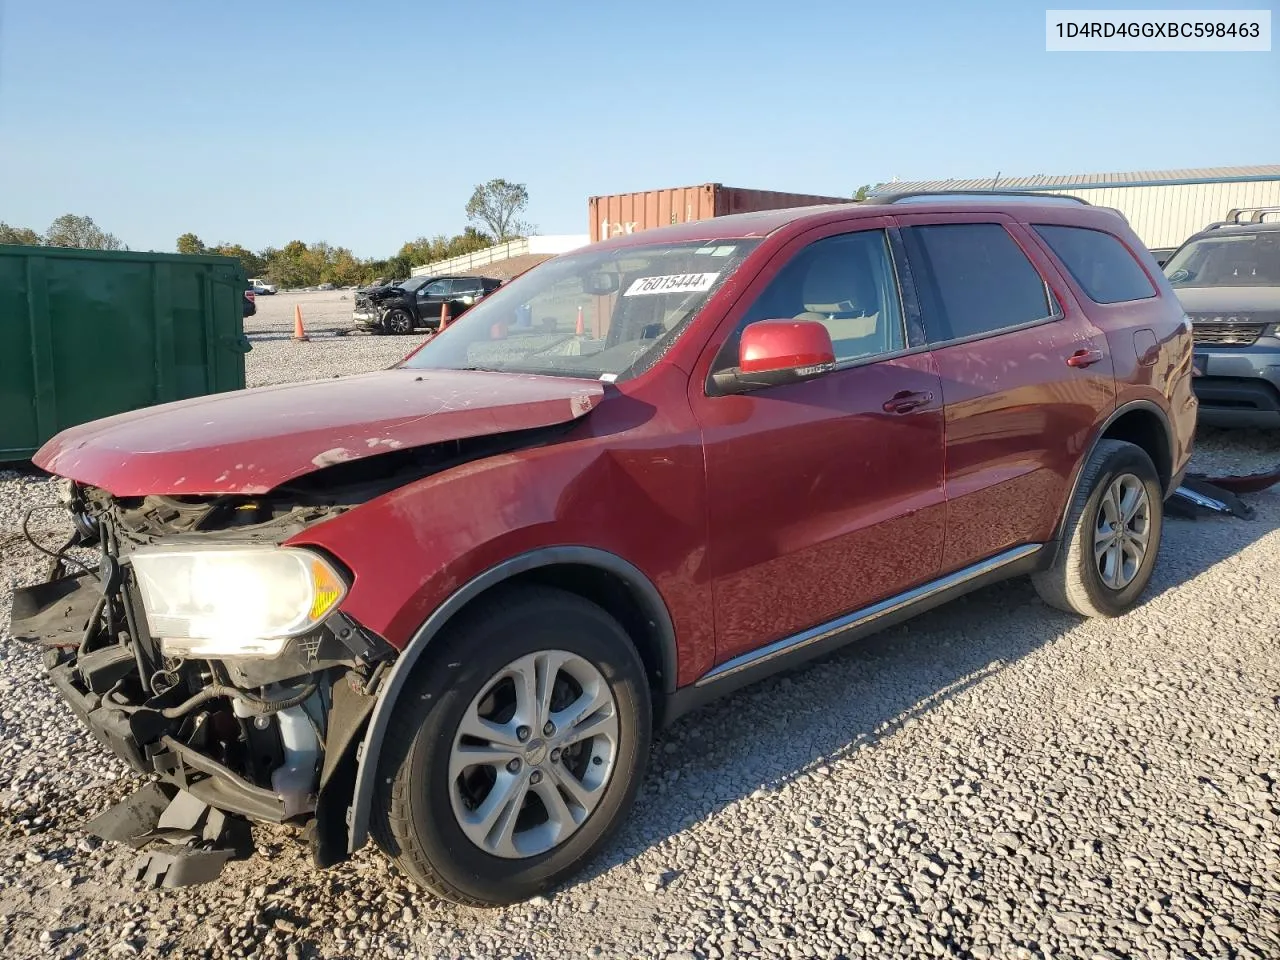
<point x="232" y="740"/>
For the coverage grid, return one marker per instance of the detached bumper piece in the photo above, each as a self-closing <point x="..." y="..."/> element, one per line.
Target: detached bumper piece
<point x="185" y="841"/>
<point x="1197" y="497"/>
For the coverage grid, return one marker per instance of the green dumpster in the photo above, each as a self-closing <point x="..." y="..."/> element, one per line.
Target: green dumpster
<point x="88" y="333"/>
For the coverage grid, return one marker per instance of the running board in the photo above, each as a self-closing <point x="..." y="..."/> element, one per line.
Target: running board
<point x="816" y="641"/>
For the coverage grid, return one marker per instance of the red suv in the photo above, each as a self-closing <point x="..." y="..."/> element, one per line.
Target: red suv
<point x="448" y="603"/>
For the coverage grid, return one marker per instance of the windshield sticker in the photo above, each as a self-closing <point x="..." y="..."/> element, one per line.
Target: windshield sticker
<point x="673" y="283"/>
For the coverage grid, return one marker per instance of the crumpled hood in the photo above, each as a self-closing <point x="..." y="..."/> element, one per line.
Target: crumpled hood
<point x="251" y="441"/>
<point x="1226" y="301"/>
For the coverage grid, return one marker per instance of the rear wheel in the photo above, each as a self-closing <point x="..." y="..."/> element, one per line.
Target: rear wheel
<point x="1111" y="537"/>
<point x="516" y="750"/>
<point x="398" y="321"/>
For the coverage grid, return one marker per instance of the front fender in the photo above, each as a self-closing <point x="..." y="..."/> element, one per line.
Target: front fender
<point x="370" y="749"/>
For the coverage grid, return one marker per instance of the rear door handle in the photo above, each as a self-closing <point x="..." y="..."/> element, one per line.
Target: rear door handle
<point x="1084" y="358"/>
<point x="905" y="401"/>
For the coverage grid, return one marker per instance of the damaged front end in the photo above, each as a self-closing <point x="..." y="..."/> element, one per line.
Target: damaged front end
<point x="198" y="649"/>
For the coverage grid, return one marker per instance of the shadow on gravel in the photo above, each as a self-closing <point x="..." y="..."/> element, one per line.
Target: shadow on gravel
<point x="323" y="334"/>
<point x="784" y="727"/>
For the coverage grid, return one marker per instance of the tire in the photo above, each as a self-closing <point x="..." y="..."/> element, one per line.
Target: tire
<point x="1108" y="583"/>
<point x="398" y="321"/>
<point x="419" y="810"/>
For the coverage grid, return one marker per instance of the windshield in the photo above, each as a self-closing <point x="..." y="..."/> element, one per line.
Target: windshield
<point x="1237" y="260"/>
<point x="602" y="314"/>
<point x="412" y="284"/>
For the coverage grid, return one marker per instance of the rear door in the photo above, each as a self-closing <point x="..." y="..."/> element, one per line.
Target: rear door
<point x="465" y="292"/>
<point x="825" y="496"/>
<point x="1025" y="378"/>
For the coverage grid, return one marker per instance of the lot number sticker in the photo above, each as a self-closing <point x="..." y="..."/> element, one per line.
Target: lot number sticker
<point x="674" y="283"/>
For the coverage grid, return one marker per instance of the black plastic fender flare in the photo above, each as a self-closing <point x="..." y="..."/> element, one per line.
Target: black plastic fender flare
<point x="1116" y="414"/>
<point x="643" y="590"/>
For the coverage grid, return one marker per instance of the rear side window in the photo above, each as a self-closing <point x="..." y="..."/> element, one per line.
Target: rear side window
<point x="1101" y="264"/>
<point x="974" y="280"/>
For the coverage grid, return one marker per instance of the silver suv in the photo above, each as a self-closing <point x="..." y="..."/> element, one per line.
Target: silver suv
<point x="1227" y="278"/>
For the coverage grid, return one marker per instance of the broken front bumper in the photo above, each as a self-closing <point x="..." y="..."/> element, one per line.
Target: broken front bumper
<point x="196" y="817"/>
<point x="136" y="732"/>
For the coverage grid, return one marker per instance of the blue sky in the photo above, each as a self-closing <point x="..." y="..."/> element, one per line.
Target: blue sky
<point x="369" y="124"/>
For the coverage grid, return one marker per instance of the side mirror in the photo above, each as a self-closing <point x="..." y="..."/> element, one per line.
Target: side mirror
<point x="774" y="352"/>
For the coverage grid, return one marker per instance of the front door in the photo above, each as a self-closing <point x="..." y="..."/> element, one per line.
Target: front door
<point x="825" y="496"/>
<point x="430" y="299"/>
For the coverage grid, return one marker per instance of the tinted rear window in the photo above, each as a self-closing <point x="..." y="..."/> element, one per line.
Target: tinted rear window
<point x="1101" y="264"/>
<point x="975" y="279"/>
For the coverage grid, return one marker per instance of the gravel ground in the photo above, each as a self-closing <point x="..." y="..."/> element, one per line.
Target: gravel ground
<point x="994" y="779"/>
<point x="323" y="312"/>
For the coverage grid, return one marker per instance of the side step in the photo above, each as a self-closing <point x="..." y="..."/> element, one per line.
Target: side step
<point x="184" y="840"/>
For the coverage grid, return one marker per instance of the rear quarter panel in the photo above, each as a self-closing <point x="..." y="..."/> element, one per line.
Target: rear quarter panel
<point x="1149" y="340"/>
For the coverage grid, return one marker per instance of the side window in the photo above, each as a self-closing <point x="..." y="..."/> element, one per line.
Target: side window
<point x="438" y="288"/>
<point x="848" y="284"/>
<point x="1101" y="264"/>
<point x="974" y="279"/>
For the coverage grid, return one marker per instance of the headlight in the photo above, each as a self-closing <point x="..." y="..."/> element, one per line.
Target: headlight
<point x="214" y="601"/>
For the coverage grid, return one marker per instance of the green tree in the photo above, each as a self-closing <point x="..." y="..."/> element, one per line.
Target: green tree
<point x="190" y="244"/>
<point x="70" y="230"/>
<point x="398" y="268"/>
<point x="497" y="205"/>
<point x="861" y="192"/>
<point x="254" y="265"/>
<point x="288" y="266"/>
<point x="343" y="268"/>
<point x="22" y="235"/>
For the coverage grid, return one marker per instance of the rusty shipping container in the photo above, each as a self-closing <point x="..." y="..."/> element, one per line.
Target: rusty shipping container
<point x="622" y="213"/>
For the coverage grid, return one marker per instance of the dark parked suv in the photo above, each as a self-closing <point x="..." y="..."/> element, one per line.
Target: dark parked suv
<point x="418" y="302"/>
<point x="1228" y="279"/>
<point x="446" y="604"/>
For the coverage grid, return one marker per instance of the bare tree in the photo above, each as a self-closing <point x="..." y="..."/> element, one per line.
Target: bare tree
<point x="72" y="231"/>
<point x="497" y="205"/>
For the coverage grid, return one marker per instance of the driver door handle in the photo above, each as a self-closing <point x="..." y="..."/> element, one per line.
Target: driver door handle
<point x="906" y="400"/>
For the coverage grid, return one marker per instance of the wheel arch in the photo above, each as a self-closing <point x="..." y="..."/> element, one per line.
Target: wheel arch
<point x="597" y="575"/>
<point x="1140" y="422"/>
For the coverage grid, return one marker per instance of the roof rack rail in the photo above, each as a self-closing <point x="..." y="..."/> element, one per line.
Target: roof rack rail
<point x="993" y="194"/>
<point x="1255" y="214"/>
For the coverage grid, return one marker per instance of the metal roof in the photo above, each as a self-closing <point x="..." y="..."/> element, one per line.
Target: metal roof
<point x="1131" y="178"/>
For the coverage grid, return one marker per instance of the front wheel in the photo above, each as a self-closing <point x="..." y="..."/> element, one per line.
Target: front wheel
<point x="1111" y="537"/>
<point x="398" y="321"/>
<point x="516" y="749"/>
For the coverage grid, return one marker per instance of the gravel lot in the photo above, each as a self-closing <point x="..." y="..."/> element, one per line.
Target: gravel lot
<point x="994" y="779"/>
<point x="323" y="312"/>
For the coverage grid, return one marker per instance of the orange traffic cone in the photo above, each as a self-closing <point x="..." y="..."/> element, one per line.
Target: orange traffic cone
<point x="579" y="330"/>
<point x="298" y="332"/>
<point x="444" y="315"/>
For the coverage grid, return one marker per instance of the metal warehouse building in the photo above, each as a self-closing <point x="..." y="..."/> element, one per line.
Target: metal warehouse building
<point x="1164" y="207"/>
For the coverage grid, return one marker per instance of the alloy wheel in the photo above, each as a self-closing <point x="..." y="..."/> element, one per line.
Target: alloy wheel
<point x="533" y="754"/>
<point x="1123" y="531"/>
